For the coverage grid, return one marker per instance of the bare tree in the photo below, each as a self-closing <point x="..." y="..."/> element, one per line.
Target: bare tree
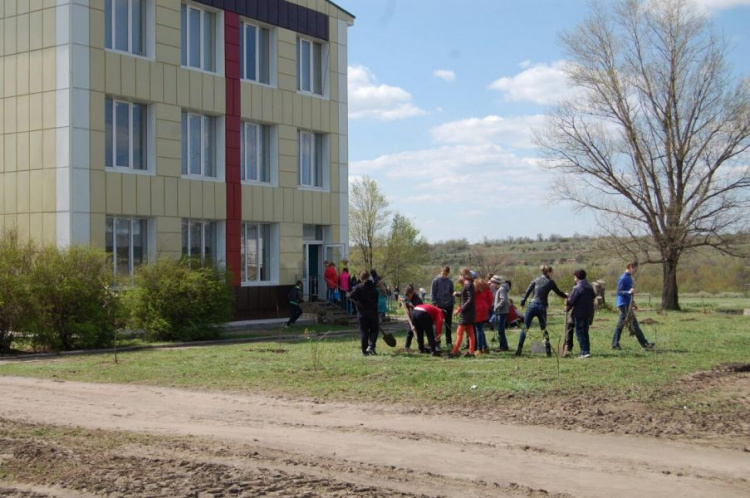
<point x="655" y="138"/>
<point x="368" y="216"/>
<point x="485" y="261"/>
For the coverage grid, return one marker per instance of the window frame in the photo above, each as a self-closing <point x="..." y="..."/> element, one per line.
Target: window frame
<point x="111" y="105"/>
<point x="147" y="25"/>
<point x="261" y="130"/>
<point x="319" y="62"/>
<point x="212" y="123"/>
<point x="318" y="158"/>
<point x="145" y="231"/>
<point x="270" y="257"/>
<point x="216" y="47"/>
<point x="209" y="230"/>
<point x="270" y="53"/>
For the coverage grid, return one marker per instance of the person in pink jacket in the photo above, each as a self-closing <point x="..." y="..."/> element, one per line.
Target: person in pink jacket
<point x="483" y="306"/>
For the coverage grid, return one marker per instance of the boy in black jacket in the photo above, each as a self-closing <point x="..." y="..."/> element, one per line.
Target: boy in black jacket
<point x="365" y="297"/>
<point x="295" y="297"/>
<point x="580" y="302"/>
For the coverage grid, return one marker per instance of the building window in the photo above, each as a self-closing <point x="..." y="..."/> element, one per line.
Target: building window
<point x="310" y="66"/>
<point x="256" y="252"/>
<point x="255" y="53"/>
<point x="256" y="152"/>
<point x="125" y="134"/>
<point x="199" y="239"/>
<point x="126" y="240"/>
<point x="311" y="159"/>
<point x="199" y="33"/>
<point x="125" y="26"/>
<point x="199" y="150"/>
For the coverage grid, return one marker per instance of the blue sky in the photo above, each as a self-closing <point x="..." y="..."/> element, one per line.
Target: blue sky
<point x="444" y="95"/>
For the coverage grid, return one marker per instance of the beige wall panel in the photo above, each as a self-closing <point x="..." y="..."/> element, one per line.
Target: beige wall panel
<point x="268" y="102"/>
<point x="2" y="152"/>
<point x="288" y="180"/>
<point x="220" y="200"/>
<point x="23" y="7"/>
<point x="297" y="101"/>
<point x="98" y="183"/>
<point x="334" y="175"/>
<point x="36" y="193"/>
<point x="97" y="145"/>
<point x="209" y="202"/>
<point x="168" y="54"/>
<point x="114" y="193"/>
<point x="256" y="111"/>
<point x="278" y="106"/>
<point x="22" y="192"/>
<point x="22" y="32"/>
<point x="96" y="112"/>
<point x="288" y="131"/>
<point x="143" y="79"/>
<point x="35" y="71"/>
<point x="220" y="96"/>
<point x="170" y="36"/>
<point x="325" y="116"/>
<point x="278" y="205"/>
<point x="96" y="27"/>
<point x="36" y="161"/>
<point x="333" y="60"/>
<point x="9" y="114"/>
<point x="170" y="84"/>
<point x="11" y="192"/>
<point x="35" y="112"/>
<point x="168" y="14"/>
<point x="129" y="194"/>
<point x="10" y="35"/>
<point x="170" y="167"/>
<point x="207" y="87"/>
<point x="22" y="113"/>
<point x="183" y="198"/>
<point x="291" y="230"/>
<point x="171" y="196"/>
<point x="287" y="83"/>
<point x="143" y="193"/>
<point x="35" y="5"/>
<point x="49" y="190"/>
<point x="127" y="76"/>
<point x="22" y="223"/>
<point x="2" y="80"/>
<point x="196" y="199"/>
<point x="246" y="101"/>
<point x="112" y="81"/>
<point x="287" y="108"/>
<point x="315" y="114"/>
<point x="288" y="150"/>
<point x="96" y="74"/>
<point x="10" y="75"/>
<point x="49" y="68"/>
<point x="157" y="196"/>
<point x="22" y="151"/>
<point x="36" y="227"/>
<point x="289" y="206"/>
<point x="183" y="87"/>
<point x="169" y="130"/>
<point x="196" y="90"/>
<point x="49" y="27"/>
<point x="307" y="206"/>
<point x="49" y="110"/>
<point x="49" y="236"/>
<point x="325" y="209"/>
<point x="98" y="230"/>
<point x="157" y="82"/>
<point x="11" y="158"/>
<point x="317" y="208"/>
<point x="287" y="49"/>
<point x="334" y="152"/>
<point x="334" y="119"/>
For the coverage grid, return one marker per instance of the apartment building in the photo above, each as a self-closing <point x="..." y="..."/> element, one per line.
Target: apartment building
<point x="208" y="128"/>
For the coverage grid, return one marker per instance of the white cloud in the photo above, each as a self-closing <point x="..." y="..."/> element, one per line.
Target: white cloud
<point x="539" y="83"/>
<point x="515" y="131"/>
<point x="370" y="99"/>
<point x="445" y="74"/>
<point x="722" y="4"/>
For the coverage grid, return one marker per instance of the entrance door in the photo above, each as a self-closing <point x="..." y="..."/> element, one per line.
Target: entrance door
<point x="335" y="253"/>
<point x="312" y="271"/>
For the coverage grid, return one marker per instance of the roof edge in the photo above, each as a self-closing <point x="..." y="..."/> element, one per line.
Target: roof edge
<point x="341" y="9"/>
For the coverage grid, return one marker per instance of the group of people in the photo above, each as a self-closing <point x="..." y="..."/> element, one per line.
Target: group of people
<point x="480" y="302"/>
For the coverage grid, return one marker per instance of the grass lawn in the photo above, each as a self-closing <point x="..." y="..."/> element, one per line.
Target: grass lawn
<point x="334" y="369"/>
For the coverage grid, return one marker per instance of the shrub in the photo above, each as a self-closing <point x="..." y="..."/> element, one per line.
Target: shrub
<point x="70" y="289"/>
<point x="179" y="300"/>
<point x="15" y="294"/>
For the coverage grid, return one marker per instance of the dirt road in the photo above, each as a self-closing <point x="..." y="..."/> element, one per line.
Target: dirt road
<point x="371" y="450"/>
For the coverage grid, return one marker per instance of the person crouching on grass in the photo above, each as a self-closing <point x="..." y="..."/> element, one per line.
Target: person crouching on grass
<point x="580" y="303"/>
<point x="410" y="301"/>
<point x="365" y="297"/>
<point x="466" y="313"/>
<point x="423" y="317"/>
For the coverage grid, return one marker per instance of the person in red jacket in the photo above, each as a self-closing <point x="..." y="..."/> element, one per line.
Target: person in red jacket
<point x="331" y="280"/>
<point x="424" y="317"/>
<point x="483" y="306"/>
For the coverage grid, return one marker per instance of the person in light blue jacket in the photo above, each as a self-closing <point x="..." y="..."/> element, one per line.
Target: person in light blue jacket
<point x="626" y="305"/>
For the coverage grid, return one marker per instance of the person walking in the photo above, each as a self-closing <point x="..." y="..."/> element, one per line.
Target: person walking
<point x="626" y="305"/>
<point x="483" y="306"/>
<point x="466" y="313"/>
<point x="365" y="296"/>
<point x="441" y="295"/>
<point x="295" y="298"/>
<point x="501" y="305"/>
<point x="580" y="304"/>
<point x="540" y="287"/>
<point x="331" y="278"/>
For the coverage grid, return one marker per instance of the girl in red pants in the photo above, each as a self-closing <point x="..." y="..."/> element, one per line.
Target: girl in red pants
<point x="466" y="314"/>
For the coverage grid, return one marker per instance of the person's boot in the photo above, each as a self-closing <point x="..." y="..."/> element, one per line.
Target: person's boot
<point x="547" y="345"/>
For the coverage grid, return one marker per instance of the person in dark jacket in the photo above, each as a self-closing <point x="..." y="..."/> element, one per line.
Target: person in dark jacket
<point x="540" y="287"/>
<point x="411" y="300"/>
<point x="365" y="297"/>
<point x="466" y="315"/>
<point x="580" y="303"/>
<point x="295" y="298"/>
<point x="626" y="305"/>
<point x="441" y="295"/>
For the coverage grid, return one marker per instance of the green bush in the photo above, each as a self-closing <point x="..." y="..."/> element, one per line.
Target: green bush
<point x="16" y="305"/>
<point x="179" y="300"/>
<point x="73" y="302"/>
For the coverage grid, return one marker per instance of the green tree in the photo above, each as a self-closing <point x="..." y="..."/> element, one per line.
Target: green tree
<point x="368" y="218"/>
<point x="653" y="139"/>
<point x="16" y="304"/>
<point x="404" y="252"/>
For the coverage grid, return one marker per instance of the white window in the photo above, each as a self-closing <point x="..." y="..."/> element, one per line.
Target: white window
<point x="256" y="153"/>
<point x="311" y="159"/>
<point x="125" y="26"/>
<point x="256" y="252"/>
<point x="256" y="44"/>
<point x="126" y="240"/>
<point x="310" y="66"/>
<point x="200" y="239"/>
<point x="199" y="145"/>
<point x="126" y="134"/>
<point x="199" y="35"/>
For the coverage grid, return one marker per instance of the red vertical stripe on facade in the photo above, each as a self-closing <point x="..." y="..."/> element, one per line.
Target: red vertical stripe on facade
<point x="234" y="187"/>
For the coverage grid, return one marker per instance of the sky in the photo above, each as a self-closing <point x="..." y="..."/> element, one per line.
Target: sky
<point x="444" y="96"/>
